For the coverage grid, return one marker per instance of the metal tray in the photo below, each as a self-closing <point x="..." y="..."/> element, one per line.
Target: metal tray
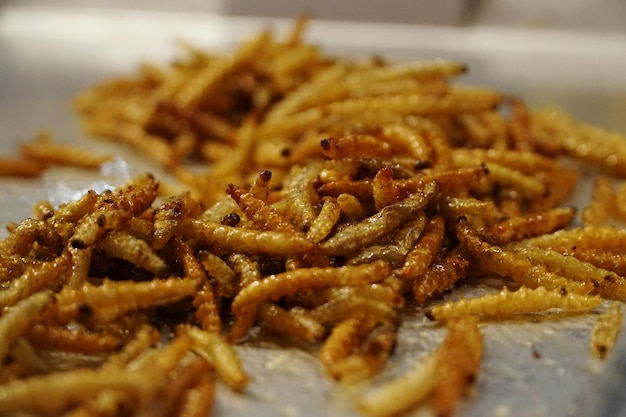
<point x="530" y="369"/>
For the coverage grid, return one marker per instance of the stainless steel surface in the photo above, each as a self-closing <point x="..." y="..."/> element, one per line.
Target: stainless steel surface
<point x="530" y="369"/>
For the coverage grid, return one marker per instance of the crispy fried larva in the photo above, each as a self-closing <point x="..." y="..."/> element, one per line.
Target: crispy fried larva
<point x="553" y="130"/>
<point x="523" y="161"/>
<point x="81" y="264"/>
<point x="204" y="300"/>
<point x="246" y="267"/>
<point x="522" y="301"/>
<point x="114" y="209"/>
<point x="364" y="309"/>
<point x="384" y="190"/>
<point x="355" y="145"/>
<point x="359" y="189"/>
<point x="239" y="157"/>
<point x="456" y="100"/>
<point x="262" y="215"/>
<point x="606" y="283"/>
<point x="112" y="300"/>
<point x="273" y="287"/>
<point x="479" y="211"/>
<point x="141" y="340"/>
<point x="239" y="240"/>
<point x="75" y="339"/>
<point x="301" y="196"/>
<point x="208" y="79"/>
<point x="343" y="339"/>
<point x="199" y="398"/>
<point x="121" y="245"/>
<point x="442" y="274"/>
<point x="605" y="331"/>
<point x="607" y="238"/>
<point x="47" y="151"/>
<point x="221" y="355"/>
<point x="97" y="224"/>
<point x="518" y="126"/>
<point x="34" y="238"/>
<point x="369" y="358"/>
<point x="179" y="380"/>
<point x="307" y="93"/>
<point x="21" y="167"/>
<point x="452" y="180"/>
<point x="17" y="319"/>
<point x="601" y="206"/>
<point x="611" y="261"/>
<point x="424" y="251"/>
<point x="171" y="216"/>
<point x="222" y="276"/>
<point x="524" y="184"/>
<point x="533" y="224"/>
<point x="351" y="207"/>
<point x="506" y="263"/>
<point x="64" y="219"/>
<point x="485" y="129"/>
<point x="207" y="308"/>
<point x="460" y="356"/>
<point x="37" y="276"/>
<point x="379" y="292"/>
<point x="404" y="392"/>
<point x="324" y="223"/>
<point x="407" y="140"/>
<point x="425" y="70"/>
<point x="52" y="393"/>
<point x="294" y="322"/>
<point x="364" y="233"/>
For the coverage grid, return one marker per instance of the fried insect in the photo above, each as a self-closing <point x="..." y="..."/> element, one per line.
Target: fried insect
<point x="349" y="239"/>
<point x="530" y="225"/>
<point x="506" y="263"/>
<point x="295" y="322"/>
<point x="236" y="239"/>
<point x="384" y="191"/>
<point x="507" y="303"/>
<point x="46" y="150"/>
<point x="215" y="350"/>
<point x="61" y="389"/>
<point x="74" y="339"/>
<point x="370" y="356"/>
<point x="460" y="357"/>
<point x="606" y="283"/>
<point x="555" y="131"/>
<point x="112" y="300"/>
<point x="273" y="287"/>
<point x="442" y="275"/>
<point x="402" y="393"/>
<point x="601" y="206"/>
<point x="136" y="251"/>
<point x="342" y="340"/>
<point x="37" y="276"/>
<point x="425" y="249"/>
<point x="605" y="331"/>
<point x="18" y="318"/>
<point x="171" y="217"/>
<point x="21" y="167"/>
<point x="355" y="145"/>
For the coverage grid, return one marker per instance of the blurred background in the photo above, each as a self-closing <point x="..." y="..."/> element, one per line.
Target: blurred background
<point x="588" y="15"/>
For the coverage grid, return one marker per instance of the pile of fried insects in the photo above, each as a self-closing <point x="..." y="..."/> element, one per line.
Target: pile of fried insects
<point x="333" y="191"/>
